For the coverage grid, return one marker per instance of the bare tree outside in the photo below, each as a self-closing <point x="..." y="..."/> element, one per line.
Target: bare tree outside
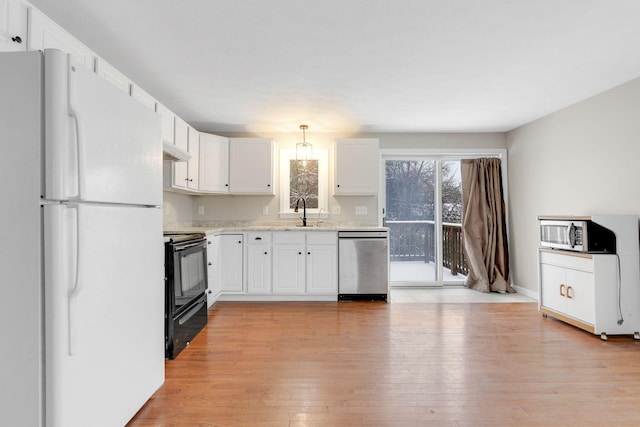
<point x="410" y="188"/>
<point x="303" y="182"/>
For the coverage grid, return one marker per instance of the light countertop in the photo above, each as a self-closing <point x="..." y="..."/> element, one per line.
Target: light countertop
<point x="235" y="227"/>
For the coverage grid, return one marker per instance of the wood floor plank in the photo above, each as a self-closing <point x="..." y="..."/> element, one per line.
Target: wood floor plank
<point x="375" y="364"/>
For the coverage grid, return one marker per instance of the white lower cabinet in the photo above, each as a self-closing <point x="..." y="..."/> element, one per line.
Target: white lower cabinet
<point x="588" y="291"/>
<point x="212" y="281"/>
<point x="322" y="263"/>
<point x="283" y="265"/>
<point x="259" y="261"/>
<point x="289" y="262"/>
<point x="228" y="249"/>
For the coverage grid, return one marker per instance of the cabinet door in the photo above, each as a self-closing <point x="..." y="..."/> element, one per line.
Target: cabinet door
<point x="46" y="34"/>
<point x="168" y="123"/>
<point x="228" y="261"/>
<point x="193" y="164"/>
<point x="251" y="166"/>
<point x="113" y="76"/>
<point x="214" y="164"/>
<point x="13" y="25"/>
<point x="322" y="269"/>
<point x="179" y="175"/>
<point x="213" y="283"/>
<point x="553" y="287"/>
<point x="580" y="295"/>
<point x="356" y="166"/>
<point x="289" y="268"/>
<point x="259" y="262"/>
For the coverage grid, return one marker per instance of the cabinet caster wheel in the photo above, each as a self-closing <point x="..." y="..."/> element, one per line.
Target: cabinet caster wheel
<point x="636" y="335"/>
<point x="544" y="315"/>
<point x="603" y="336"/>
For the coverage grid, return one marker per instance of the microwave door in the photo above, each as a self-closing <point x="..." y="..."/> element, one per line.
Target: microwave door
<point x="571" y="235"/>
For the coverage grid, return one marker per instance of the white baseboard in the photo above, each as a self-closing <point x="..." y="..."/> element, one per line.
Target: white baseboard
<point x="526" y="292"/>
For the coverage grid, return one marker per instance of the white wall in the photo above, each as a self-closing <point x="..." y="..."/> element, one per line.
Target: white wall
<point x="177" y="209"/>
<point x="250" y="208"/>
<point x="582" y="160"/>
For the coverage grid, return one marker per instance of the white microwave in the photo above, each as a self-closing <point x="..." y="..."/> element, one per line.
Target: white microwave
<point x="577" y="235"/>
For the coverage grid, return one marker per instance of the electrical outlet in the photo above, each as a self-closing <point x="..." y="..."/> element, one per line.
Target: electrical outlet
<point x="361" y="210"/>
<point x="200" y="210"/>
<point x="265" y="210"/>
<point x="335" y="210"/>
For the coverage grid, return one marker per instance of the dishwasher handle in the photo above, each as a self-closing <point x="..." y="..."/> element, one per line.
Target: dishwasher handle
<point x="363" y="234"/>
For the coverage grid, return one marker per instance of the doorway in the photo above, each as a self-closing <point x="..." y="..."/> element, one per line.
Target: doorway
<point x="422" y="206"/>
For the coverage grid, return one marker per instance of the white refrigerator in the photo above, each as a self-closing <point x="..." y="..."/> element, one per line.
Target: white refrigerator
<point x="82" y="270"/>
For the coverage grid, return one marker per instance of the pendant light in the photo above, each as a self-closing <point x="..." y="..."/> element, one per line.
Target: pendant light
<point x="304" y="149"/>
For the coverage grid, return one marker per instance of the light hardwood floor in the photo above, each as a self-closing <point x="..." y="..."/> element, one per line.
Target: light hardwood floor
<point x="376" y="364"/>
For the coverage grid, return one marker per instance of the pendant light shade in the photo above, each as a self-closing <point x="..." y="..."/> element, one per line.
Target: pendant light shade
<point x="304" y="150"/>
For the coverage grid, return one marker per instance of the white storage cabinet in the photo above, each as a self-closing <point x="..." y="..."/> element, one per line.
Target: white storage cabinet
<point x="13" y="25"/>
<point x="584" y="290"/>
<point x="259" y="262"/>
<point x="214" y="164"/>
<point x="228" y="250"/>
<point x="251" y="166"/>
<point x="356" y="167"/>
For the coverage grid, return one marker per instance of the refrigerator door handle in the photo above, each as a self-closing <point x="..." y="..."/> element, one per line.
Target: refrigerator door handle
<point x="74" y="292"/>
<point x="73" y="113"/>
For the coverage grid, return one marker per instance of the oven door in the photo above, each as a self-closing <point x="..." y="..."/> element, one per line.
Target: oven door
<point x="190" y="272"/>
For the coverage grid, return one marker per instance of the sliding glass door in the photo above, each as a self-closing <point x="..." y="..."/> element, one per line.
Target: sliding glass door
<point x="422" y="208"/>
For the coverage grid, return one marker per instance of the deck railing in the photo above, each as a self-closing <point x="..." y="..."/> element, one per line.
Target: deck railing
<point x="415" y="241"/>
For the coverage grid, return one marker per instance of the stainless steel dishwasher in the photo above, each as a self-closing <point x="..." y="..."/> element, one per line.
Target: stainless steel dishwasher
<point x="363" y="265"/>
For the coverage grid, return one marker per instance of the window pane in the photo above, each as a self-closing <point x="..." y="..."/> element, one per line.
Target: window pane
<point x="410" y="211"/>
<point x="303" y="182"/>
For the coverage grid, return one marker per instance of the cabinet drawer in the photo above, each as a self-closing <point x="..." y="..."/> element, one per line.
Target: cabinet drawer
<point x="259" y="238"/>
<point x="289" y="238"/>
<point x="576" y="262"/>
<point x="322" y="238"/>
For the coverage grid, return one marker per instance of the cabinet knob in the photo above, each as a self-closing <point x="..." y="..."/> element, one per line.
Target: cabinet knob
<point x="268" y="185"/>
<point x="210" y="263"/>
<point x="226" y="185"/>
<point x="17" y="39"/>
<point x="308" y="253"/>
<point x="299" y="253"/>
<point x="240" y="241"/>
<point x="338" y="185"/>
<point x="266" y="253"/>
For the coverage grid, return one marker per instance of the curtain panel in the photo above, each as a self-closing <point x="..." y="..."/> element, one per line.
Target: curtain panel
<point x="484" y="228"/>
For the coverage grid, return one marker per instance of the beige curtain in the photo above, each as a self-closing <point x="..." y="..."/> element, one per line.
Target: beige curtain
<point x="484" y="230"/>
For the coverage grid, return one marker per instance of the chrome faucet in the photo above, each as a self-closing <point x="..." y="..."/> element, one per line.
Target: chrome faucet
<point x="304" y="210"/>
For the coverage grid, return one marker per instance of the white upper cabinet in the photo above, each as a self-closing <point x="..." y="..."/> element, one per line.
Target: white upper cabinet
<point x="113" y="76"/>
<point x="356" y="167"/>
<point x="214" y="164"/>
<point x="143" y="97"/>
<point x="180" y="178"/>
<point x="168" y="122"/>
<point x="251" y="165"/>
<point x="46" y="34"/>
<point x="13" y="25"/>
<point x="181" y="134"/>
<point x="193" y="164"/>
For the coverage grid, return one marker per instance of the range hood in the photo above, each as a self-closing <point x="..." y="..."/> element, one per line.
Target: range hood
<point x="174" y="153"/>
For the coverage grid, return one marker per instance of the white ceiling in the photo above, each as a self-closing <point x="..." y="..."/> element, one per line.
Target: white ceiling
<point x="362" y="65"/>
